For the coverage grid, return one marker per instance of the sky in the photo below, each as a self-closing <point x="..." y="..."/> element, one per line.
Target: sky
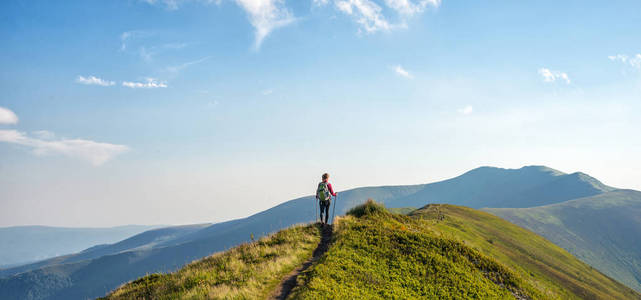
<point x="188" y="111"/>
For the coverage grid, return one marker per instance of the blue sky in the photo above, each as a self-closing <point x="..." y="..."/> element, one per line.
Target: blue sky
<point x="185" y="111"/>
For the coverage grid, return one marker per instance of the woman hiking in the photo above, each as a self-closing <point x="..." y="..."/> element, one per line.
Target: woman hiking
<point x="324" y="194"/>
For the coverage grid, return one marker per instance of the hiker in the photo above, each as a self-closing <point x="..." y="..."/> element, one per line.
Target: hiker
<point x="324" y="194"/>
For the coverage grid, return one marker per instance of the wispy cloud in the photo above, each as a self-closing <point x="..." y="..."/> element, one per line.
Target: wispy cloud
<point x="633" y="61"/>
<point x="95" y="153"/>
<point x="93" y="80"/>
<point x="366" y="13"/>
<point x="409" y="7"/>
<point x="552" y="76"/>
<point x="267" y="92"/>
<point x="175" y="4"/>
<point x="44" y="134"/>
<point x="126" y="36"/>
<point x="150" y="83"/>
<point x="266" y="16"/>
<point x="148" y="53"/>
<point x="398" y="69"/>
<point x="371" y="17"/>
<point x="183" y="66"/>
<point x="7" y="116"/>
<point x="467" y="110"/>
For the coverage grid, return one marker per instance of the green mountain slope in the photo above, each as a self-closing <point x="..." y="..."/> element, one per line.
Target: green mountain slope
<point x="601" y="230"/>
<point x="440" y="251"/>
<point x="248" y="271"/>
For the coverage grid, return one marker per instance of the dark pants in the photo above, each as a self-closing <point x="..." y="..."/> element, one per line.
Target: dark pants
<point x="324" y="206"/>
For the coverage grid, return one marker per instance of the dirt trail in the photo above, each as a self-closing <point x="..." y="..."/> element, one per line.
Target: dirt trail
<point x="289" y="282"/>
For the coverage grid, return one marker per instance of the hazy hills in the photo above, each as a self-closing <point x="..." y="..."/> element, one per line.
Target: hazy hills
<point x="482" y="187"/>
<point x="494" y="187"/>
<point x="440" y="251"/>
<point x="601" y="230"/>
<point x="24" y="244"/>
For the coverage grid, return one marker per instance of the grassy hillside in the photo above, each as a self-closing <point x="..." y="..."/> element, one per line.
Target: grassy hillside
<point x="439" y="251"/>
<point x="248" y="271"/>
<point x="601" y="230"/>
<point x="446" y="251"/>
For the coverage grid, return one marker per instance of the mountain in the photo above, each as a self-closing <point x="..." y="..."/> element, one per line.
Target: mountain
<point x="145" y="240"/>
<point x="439" y="251"/>
<point x="25" y="244"/>
<point x="601" y="230"/>
<point x="495" y="187"/>
<point x="482" y="187"/>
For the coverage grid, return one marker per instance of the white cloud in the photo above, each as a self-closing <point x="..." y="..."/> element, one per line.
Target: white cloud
<point x="126" y="36"/>
<point x="552" y="76"/>
<point x="149" y="83"/>
<point x="93" y="80"/>
<point x="175" y="4"/>
<point x="634" y="61"/>
<point x="94" y="152"/>
<point x="265" y="16"/>
<point x="402" y="72"/>
<point x="148" y="53"/>
<point x="7" y="116"/>
<point x="44" y="134"/>
<point x="466" y="110"/>
<point x="267" y="92"/>
<point x="409" y="7"/>
<point x="180" y="67"/>
<point x="371" y="16"/>
<point x="367" y="14"/>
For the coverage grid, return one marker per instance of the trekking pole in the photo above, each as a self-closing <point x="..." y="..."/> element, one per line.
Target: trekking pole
<point x="316" y="209"/>
<point x="334" y="208"/>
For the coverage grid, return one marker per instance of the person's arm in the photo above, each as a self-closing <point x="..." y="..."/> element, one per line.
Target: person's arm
<point x="331" y="190"/>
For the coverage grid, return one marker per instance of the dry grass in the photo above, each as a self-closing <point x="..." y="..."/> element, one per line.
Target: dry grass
<point x="248" y="271"/>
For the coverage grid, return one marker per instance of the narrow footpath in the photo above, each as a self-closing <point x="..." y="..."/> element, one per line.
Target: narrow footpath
<point x="289" y="282"/>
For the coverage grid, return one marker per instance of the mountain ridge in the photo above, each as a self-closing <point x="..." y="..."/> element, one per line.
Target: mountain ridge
<point x="438" y="251"/>
<point x="175" y="253"/>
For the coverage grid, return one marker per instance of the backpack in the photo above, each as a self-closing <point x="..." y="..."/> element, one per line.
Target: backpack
<point x="322" y="192"/>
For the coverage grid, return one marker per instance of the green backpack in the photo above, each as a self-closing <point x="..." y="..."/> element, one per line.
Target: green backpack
<point x="322" y="192"/>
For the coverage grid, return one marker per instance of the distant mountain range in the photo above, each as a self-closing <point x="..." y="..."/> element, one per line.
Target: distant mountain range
<point x="100" y="270"/>
<point x="25" y="244"/>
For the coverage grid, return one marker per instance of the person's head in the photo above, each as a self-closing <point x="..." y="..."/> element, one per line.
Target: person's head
<point x="325" y="177"/>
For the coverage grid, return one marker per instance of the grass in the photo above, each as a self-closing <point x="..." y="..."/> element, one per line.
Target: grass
<point x="446" y="251"/>
<point x="549" y="268"/>
<point x="249" y="271"/>
<point x="402" y="210"/>
<point x="377" y="254"/>
<point x="436" y="252"/>
<point x="601" y="230"/>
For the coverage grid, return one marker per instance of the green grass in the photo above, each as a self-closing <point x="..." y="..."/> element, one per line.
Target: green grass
<point x="601" y="230"/>
<point x="445" y="251"/>
<point x="437" y="252"/>
<point x="402" y="210"/>
<point x="249" y="271"/>
<point x="554" y="271"/>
